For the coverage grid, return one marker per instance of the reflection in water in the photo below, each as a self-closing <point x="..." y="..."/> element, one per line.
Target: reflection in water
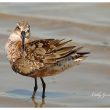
<point x="38" y="104"/>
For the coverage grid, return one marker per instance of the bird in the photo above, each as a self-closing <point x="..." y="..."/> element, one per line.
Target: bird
<point x="41" y="57"/>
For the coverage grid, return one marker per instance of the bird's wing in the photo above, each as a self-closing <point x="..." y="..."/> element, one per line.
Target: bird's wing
<point x="48" y="51"/>
<point x="40" y="54"/>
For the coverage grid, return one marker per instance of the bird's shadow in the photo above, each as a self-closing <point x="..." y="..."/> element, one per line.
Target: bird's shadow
<point x="23" y="93"/>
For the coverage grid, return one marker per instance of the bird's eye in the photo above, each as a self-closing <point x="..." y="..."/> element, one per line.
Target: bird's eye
<point x="17" y="27"/>
<point x="28" y="30"/>
<point x="28" y="26"/>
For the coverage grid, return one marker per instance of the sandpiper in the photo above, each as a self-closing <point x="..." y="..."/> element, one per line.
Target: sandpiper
<point x="40" y="58"/>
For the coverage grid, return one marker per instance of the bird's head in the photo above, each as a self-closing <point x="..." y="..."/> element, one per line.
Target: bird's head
<point x="23" y="29"/>
<point x="21" y="32"/>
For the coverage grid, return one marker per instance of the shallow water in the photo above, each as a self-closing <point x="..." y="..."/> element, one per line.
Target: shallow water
<point x="86" y="85"/>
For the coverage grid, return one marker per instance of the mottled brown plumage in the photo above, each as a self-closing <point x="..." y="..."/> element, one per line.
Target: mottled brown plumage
<point x="40" y="58"/>
<point x="44" y="57"/>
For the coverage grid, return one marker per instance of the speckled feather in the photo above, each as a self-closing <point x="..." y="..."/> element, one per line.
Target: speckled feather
<point x="46" y="57"/>
<point x="40" y="58"/>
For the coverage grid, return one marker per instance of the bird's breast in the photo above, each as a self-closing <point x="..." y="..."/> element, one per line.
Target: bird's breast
<point x="13" y="50"/>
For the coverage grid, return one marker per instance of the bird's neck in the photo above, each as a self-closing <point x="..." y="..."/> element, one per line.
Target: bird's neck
<point x="13" y="47"/>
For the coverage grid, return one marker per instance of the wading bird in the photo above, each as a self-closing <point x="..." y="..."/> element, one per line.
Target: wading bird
<point x="40" y="58"/>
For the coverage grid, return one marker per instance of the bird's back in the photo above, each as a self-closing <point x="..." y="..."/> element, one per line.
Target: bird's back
<point x="47" y="57"/>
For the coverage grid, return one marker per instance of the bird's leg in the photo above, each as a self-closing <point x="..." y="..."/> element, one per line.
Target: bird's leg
<point x="35" y="89"/>
<point x="44" y="86"/>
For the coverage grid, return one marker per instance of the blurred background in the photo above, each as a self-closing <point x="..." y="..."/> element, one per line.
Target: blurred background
<point x="88" y="25"/>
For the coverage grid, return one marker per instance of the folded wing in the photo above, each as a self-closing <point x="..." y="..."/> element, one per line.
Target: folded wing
<point x="48" y="57"/>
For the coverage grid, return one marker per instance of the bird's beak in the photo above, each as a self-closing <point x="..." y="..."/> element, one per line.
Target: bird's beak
<point x="23" y="39"/>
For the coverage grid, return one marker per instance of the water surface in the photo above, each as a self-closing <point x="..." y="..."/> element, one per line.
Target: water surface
<point x="88" y="24"/>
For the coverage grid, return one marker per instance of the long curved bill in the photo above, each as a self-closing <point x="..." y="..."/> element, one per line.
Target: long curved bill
<point x="23" y="40"/>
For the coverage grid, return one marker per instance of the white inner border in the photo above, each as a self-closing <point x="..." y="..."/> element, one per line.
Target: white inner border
<point x="54" y="0"/>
